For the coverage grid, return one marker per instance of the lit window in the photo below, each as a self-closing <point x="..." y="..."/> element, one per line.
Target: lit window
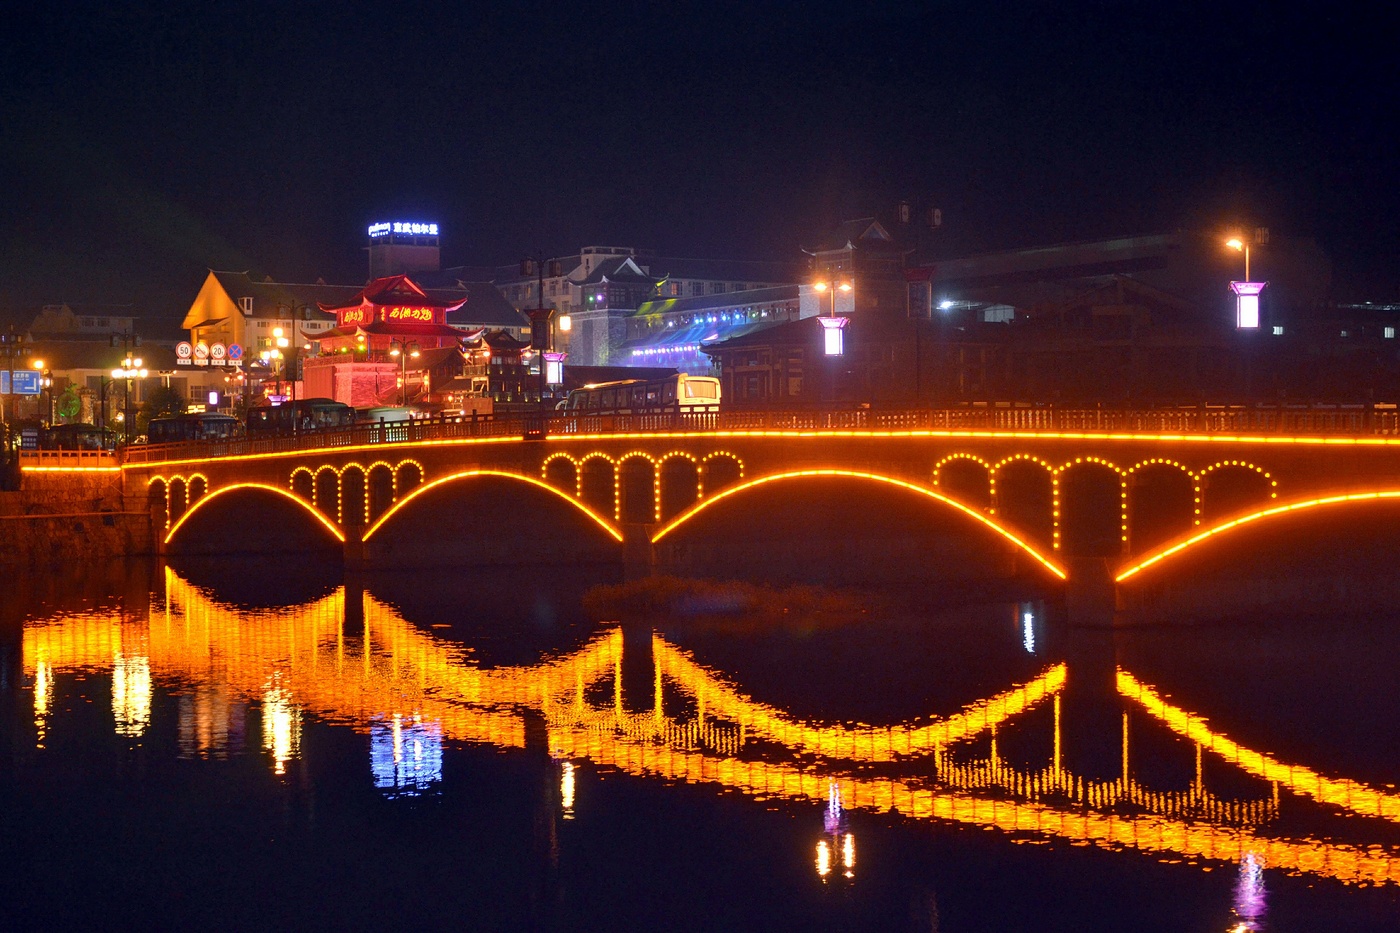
<point x="1278" y="330"/>
<point x="1344" y="334"/>
<point x="1390" y="333"/>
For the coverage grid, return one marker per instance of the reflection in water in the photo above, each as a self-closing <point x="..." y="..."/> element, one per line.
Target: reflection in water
<point x="281" y="722"/>
<point x="412" y="692"/>
<point x="837" y="837"/>
<point x="566" y="789"/>
<point x="131" y="694"/>
<point x="405" y="756"/>
<point x="43" y="699"/>
<point x="1249" y="893"/>
<point x="210" y="724"/>
<point x="1025" y="612"/>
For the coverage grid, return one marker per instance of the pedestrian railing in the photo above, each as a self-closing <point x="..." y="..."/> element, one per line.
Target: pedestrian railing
<point x="1340" y="421"/>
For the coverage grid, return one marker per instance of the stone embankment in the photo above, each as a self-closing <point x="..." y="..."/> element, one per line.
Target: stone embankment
<point x="69" y="523"/>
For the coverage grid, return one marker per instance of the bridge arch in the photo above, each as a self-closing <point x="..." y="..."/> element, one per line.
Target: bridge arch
<point x="219" y="493"/>
<point x="1164" y="502"/>
<point x="637" y="488"/>
<point x="719" y="470"/>
<point x="1025" y="496"/>
<point x="303" y="484"/>
<point x="407" y="477"/>
<point x="354" y="498"/>
<point x="379" y="490"/>
<point x="177" y="498"/>
<point x="326" y="491"/>
<point x="198" y="485"/>
<point x="1231" y="486"/>
<point x="966" y="477"/>
<point x="1090" y="508"/>
<point x="562" y="472"/>
<point x="598" y="519"/>
<point x="1176" y="548"/>
<point x="597" y="483"/>
<point x="679" y="480"/>
<point x="747" y="485"/>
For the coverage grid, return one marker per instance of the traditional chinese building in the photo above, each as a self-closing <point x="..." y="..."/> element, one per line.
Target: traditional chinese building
<point x="376" y="350"/>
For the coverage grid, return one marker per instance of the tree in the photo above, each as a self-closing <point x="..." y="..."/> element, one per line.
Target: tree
<point x="160" y="401"/>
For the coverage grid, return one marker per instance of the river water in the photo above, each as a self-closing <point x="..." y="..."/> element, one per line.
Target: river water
<point x="247" y="746"/>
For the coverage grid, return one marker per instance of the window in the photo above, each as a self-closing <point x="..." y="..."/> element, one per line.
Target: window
<point x="1390" y="333"/>
<point x="1278" y="330"/>
<point x="697" y="288"/>
<point x="246" y="304"/>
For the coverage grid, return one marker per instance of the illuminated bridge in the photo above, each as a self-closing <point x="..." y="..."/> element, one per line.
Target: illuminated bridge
<point x="1042" y="488"/>
<point x="392" y="679"/>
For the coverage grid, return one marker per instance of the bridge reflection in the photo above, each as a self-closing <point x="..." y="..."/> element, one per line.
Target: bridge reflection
<point x="412" y="692"/>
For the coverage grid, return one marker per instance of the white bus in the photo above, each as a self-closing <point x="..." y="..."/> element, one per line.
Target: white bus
<point x="678" y="392"/>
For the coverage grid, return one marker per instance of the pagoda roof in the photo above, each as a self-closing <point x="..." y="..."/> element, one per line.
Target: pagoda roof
<point x="395" y="290"/>
<point x="396" y="329"/>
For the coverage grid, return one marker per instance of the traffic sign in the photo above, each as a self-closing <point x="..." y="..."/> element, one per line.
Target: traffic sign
<point x="19" y="381"/>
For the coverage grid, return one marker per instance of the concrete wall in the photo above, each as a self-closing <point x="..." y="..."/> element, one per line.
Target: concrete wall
<point x="66" y="521"/>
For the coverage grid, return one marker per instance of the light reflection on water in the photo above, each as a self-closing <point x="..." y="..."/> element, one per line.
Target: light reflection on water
<point x="414" y="693"/>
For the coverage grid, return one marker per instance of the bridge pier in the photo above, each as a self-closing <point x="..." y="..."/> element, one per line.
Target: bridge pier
<point x="354" y="554"/>
<point x="638" y="554"/>
<point x="1091" y="595"/>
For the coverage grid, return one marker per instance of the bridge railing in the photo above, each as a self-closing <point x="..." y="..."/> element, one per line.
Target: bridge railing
<point x="1357" y="421"/>
<point x="67" y="459"/>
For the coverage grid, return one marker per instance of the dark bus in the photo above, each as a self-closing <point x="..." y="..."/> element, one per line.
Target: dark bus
<point x="77" y="436"/>
<point x="194" y="426"/>
<point x="308" y="414"/>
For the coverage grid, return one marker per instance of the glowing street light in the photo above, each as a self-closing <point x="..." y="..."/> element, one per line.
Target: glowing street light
<point x="1239" y="245"/>
<point x="833" y="343"/>
<point x="45" y="385"/>
<point x="397" y="348"/>
<point x="1246" y="292"/>
<point x="130" y="369"/>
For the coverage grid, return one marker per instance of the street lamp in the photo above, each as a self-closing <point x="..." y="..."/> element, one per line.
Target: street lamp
<point x="1238" y="245"/>
<point x="1246" y="292"/>
<point x="403" y="351"/>
<point x="45" y="385"/>
<point x="130" y="369"/>
<point x="832" y="337"/>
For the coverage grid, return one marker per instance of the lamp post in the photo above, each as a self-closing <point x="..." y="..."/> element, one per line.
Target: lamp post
<point x="541" y="316"/>
<point x="129" y="370"/>
<point x="1239" y="245"/>
<point x="832" y="339"/>
<point x="45" y="385"/>
<point x="403" y="350"/>
<point x="1247" y="292"/>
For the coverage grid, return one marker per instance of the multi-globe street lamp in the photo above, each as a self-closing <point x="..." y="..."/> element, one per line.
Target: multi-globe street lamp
<point x="130" y="369"/>
<point x="832" y="340"/>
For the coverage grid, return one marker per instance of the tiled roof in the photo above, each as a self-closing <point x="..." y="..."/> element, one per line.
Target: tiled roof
<point x="485" y="305"/>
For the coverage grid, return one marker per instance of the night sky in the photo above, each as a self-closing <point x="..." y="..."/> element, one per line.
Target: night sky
<point x="139" y="147"/>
